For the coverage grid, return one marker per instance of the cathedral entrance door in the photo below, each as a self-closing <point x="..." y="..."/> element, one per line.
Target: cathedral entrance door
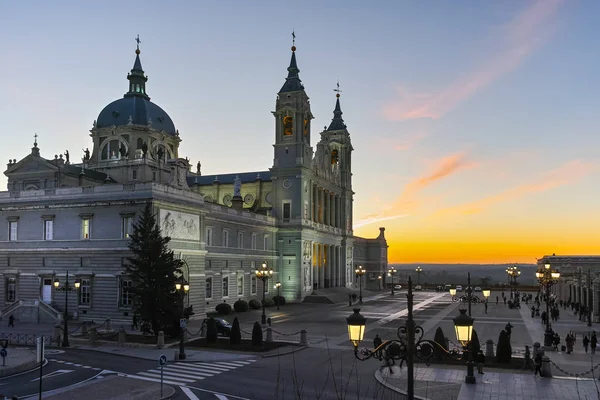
<point x="47" y="291"/>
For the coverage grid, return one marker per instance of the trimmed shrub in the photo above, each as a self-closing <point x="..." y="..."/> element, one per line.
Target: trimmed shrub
<point x="254" y="304"/>
<point x="240" y="306"/>
<point x="211" y="331"/>
<point x="235" y="337"/>
<point x="440" y="339"/>
<point x="257" y="334"/>
<point x="279" y="300"/>
<point x="475" y="345"/>
<point x="504" y="349"/>
<point x="269" y="302"/>
<point x="223" y="308"/>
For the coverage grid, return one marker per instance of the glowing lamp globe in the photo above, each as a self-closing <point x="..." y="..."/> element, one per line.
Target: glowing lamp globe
<point x="463" y="324"/>
<point x="452" y="292"/>
<point x="356" y="327"/>
<point x="486" y="293"/>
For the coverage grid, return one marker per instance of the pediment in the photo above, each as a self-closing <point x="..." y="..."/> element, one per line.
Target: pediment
<point x="31" y="165"/>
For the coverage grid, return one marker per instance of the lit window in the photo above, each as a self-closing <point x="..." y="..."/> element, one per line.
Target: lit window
<point x="85" y="228"/>
<point x="127" y="228"/>
<point x="85" y="292"/>
<point x="48" y="229"/>
<point x="208" y="288"/>
<point x="126" y="294"/>
<point x="226" y="286"/>
<point x="12" y="230"/>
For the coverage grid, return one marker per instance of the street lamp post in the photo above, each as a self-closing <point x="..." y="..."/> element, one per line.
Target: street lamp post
<point x="66" y="288"/>
<point x="391" y="273"/>
<point x="419" y="270"/>
<point x="264" y="274"/>
<point x="469" y="291"/>
<point x="182" y="287"/>
<point x="547" y="276"/>
<point x="277" y="286"/>
<point x="513" y="273"/>
<point x="406" y="347"/>
<point x="463" y="324"/>
<point x="360" y="271"/>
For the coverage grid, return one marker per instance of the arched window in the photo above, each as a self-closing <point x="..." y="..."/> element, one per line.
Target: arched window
<point x="287" y="125"/>
<point x="335" y="158"/>
<point x="110" y="151"/>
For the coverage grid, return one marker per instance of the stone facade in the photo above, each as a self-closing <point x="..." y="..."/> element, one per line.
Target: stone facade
<point x="63" y="217"/>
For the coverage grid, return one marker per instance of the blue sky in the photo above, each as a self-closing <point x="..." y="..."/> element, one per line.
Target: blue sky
<point x="474" y="123"/>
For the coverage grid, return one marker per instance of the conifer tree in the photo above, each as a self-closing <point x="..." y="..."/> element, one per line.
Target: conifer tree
<point x="153" y="270"/>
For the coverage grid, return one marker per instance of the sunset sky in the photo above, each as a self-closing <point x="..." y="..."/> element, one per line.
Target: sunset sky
<point x="475" y="123"/>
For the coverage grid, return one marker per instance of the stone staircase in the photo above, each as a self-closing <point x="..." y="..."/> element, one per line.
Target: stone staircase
<point x="34" y="311"/>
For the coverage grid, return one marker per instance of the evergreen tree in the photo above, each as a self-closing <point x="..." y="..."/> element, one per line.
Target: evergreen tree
<point x="475" y="345"/>
<point x="257" y="334"/>
<point x="211" y="331"/>
<point x="504" y="349"/>
<point x="441" y="345"/>
<point x="235" y="337"/>
<point x="153" y="270"/>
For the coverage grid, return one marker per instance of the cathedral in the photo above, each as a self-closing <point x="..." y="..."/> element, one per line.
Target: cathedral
<point x="70" y="220"/>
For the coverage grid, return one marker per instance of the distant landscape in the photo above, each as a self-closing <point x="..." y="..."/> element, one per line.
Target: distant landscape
<point x="454" y="274"/>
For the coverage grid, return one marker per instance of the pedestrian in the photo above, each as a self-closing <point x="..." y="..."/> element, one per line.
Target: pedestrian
<point x="586" y="343"/>
<point x="376" y="343"/>
<point x="532" y="311"/>
<point x="504" y="300"/>
<point x="496" y="300"/>
<point x="11" y="321"/>
<point x="556" y="341"/>
<point x="480" y="359"/>
<point x="508" y="329"/>
<point x="594" y="342"/>
<point x="134" y="322"/>
<point x="485" y="304"/>
<point x="538" y="364"/>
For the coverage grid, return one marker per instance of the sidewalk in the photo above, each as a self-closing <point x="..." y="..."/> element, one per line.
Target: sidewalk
<point x="448" y="384"/>
<point x="18" y="359"/>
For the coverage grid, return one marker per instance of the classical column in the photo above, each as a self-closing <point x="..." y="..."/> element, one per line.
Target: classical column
<point x="326" y="208"/>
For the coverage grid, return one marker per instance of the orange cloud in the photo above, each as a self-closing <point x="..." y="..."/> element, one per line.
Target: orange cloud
<point x="520" y="37"/>
<point x="568" y="173"/>
<point x="406" y="202"/>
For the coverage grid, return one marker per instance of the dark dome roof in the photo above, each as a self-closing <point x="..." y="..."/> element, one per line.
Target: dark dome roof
<point x="140" y="109"/>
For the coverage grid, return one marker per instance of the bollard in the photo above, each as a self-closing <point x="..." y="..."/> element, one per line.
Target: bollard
<point x="303" y="339"/>
<point x="93" y="335"/>
<point x="57" y="334"/>
<point x="161" y="340"/>
<point x="185" y="336"/>
<point x="176" y="355"/>
<point x="269" y="334"/>
<point x="108" y="325"/>
<point x="84" y="328"/>
<point x="269" y="321"/>
<point x="122" y="336"/>
<point x="546" y="370"/>
<point x="489" y="348"/>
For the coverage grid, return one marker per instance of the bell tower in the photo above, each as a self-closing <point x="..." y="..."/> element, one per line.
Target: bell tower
<point x="292" y="121"/>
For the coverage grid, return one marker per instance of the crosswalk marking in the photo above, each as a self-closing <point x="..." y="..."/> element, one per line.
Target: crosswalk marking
<point x="184" y="373"/>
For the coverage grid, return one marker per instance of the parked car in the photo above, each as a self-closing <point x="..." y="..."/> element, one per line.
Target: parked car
<point x="418" y="287"/>
<point x="478" y="288"/>
<point x="459" y="288"/>
<point x="223" y="327"/>
<point x="397" y="287"/>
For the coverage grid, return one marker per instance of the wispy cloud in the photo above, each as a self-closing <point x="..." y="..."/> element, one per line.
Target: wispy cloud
<point x="403" y="143"/>
<point x="568" y="173"/>
<point x="518" y="38"/>
<point x="408" y="202"/>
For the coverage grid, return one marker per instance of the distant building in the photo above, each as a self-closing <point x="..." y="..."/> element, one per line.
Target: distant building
<point x="579" y="280"/>
<point x="75" y="216"/>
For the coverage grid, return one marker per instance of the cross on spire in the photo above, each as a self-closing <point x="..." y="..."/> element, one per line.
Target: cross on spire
<point x="35" y="139"/>
<point x="337" y="89"/>
<point x="137" y="39"/>
<point x="293" y="38"/>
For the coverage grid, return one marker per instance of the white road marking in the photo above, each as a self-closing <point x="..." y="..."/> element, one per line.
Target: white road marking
<point x="188" y="393"/>
<point x="54" y="373"/>
<point x="417" y="306"/>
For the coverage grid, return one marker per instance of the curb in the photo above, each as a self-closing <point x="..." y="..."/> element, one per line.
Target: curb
<point x="382" y="381"/>
<point x="17" y="369"/>
<point x="285" y="353"/>
<point x="166" y="389"/>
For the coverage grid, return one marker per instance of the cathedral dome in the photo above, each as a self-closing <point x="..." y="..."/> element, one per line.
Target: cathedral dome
<point x="137" y="110"/>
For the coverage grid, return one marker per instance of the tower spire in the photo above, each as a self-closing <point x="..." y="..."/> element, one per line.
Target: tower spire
<point x="337" y="123"/>
<point x="137" y="79"/>
<point x="292" y="82"/>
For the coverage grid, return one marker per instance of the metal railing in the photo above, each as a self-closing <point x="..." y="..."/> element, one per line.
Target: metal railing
<point x="24" y="338"/>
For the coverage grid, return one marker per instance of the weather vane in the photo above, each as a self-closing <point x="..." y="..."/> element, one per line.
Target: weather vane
<point x="337" y="89"/>
<point x="293" y="38"/>
<point x="137" y="39"/>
